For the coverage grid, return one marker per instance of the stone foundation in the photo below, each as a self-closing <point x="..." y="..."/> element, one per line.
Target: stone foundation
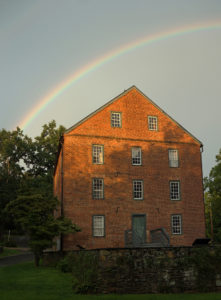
<point x="153" y="270"/>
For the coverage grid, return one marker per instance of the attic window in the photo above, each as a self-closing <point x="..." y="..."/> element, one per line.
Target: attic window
<point x="115" y="119"/>
<point x="152" y="123"/>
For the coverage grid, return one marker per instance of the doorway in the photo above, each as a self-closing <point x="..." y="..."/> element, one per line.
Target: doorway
<point x="139" y="229"/>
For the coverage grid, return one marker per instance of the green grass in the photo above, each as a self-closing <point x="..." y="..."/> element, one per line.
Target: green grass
<point x="26" y="282"/>
<point x="9" y="252"/>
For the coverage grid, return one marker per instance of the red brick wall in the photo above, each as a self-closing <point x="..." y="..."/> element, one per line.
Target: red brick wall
<point x="118" y="204"/>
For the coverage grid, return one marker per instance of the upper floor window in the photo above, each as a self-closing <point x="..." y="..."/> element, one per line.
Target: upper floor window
<point x="173" y="158"/>
<point x="138" y="189"/>
<point x="98" y="188"/>
<point x="174" y="190"/>
<point x="176" y="223"/>
<point x="116" y="119"/>
<point x="152" y="123"/>
<point x="98" y="226"/>
<point x="136" y="156"/>
<point x="98" y="154"/>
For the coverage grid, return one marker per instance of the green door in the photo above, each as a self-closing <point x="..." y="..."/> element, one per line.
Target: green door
<point x="138" y="229"/>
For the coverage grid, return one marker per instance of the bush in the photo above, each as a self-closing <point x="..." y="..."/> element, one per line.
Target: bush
<point x="84" y="271"/>
<point x="83" y="266"/>
<point x="66" y="264"/>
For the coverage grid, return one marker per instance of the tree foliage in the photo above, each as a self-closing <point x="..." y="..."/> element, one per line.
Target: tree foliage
<point x="34" y="211"/>
<point x="213" y="199"/>
<point x="14" y="147"/>
<point x="26" y="186"/>
<point x="43" y="150"/>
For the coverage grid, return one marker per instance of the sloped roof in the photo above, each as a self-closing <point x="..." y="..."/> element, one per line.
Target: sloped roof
<point x="119" y="96"/>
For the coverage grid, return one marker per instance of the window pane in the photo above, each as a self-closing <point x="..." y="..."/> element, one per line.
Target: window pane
<point x="138" y="189"/>
<point x="136" y="156"/>
<point x="152" y="123"/>
<point x="176" y="224"/>
<point x="98" y="151"/>
<point x="174" y="190"/>
<point x="98" y="225"/>
<point x="98" y="188"/>
<point x="173" y="158"/>
<point x="116" y="119"/>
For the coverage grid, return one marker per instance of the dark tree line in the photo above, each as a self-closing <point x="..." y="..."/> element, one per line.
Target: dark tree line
<point x="27" y="203"/>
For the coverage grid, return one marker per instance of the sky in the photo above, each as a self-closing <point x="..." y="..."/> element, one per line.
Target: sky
<point x="64" y="59"/>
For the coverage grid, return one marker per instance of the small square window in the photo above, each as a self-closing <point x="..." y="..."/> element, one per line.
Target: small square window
<point x="152" y="123"/>
<point x="98" y="226"/>
<point x="174" y="190"/>
<point x="173" y="158"/>
<point x="98" y="154"/>
<point x="136" y="156"/>
<point x="98" y="188"/>
<point x="138" y="189"/>
<point x="176" y="221"/>
<point x="116" y="119"/>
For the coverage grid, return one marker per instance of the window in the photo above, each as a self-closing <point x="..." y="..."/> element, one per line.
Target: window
<point x="173" y="158"/>
<point x="138" y="189"/>
<point x="116" y="119"/>
<point x="136" y="156"/>
<point x="98" y="188"/>
<point x="98" y="154"/>
<point x="152" y="123"/>
<point x="98" y="226"/>
<point x="174" y="190"/>
<point x="176" y="221"/>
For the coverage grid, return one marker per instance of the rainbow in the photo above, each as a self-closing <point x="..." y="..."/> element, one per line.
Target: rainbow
<point x="107" y="57"/>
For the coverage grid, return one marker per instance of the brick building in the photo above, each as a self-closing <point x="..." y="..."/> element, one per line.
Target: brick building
<point x="126" y="170"/>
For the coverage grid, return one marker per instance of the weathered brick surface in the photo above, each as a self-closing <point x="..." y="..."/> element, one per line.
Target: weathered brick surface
<point x="118" y="204"/>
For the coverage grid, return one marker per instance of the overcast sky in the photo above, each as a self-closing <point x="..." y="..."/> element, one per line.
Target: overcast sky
<point x="44" y="42"/>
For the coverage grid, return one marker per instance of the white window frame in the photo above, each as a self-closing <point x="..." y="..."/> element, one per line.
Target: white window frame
<point x="138" y="189"/>
<point x="175" y="190"/>
<point x="176" y="224"/>
<point x="136" y="156"/>
<point x="116" y="121"/>
<point x="98" y="154"/>
<point x="98" y="188"/>
<point x="173" y="158"/>
<point x="98" y="226"/>
<point x="152" y="123"/>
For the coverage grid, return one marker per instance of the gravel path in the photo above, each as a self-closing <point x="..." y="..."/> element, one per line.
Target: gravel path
<point x="16" y="259"/>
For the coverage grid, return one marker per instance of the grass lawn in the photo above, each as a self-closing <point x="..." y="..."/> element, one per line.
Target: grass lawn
<point x="26" y="282"/>
<point x="9" y="252"/>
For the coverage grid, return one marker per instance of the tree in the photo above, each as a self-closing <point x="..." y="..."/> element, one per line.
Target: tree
<point x="14" y="147"/>
<point x="13" y="152"/>
<point x="19" y="156"/>
<point x="26" y="186"/>
<point x="42" y="153"/>
<point x="33" y="210"/>
<point x="213" y="198"/>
